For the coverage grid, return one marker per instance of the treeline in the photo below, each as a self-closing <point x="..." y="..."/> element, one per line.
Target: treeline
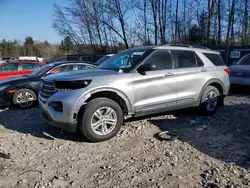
<point x="36" y="48"/>
<point x="124" y="23"/>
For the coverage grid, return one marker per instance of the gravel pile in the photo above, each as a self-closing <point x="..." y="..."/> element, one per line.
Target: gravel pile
<point x="210" y="151"/>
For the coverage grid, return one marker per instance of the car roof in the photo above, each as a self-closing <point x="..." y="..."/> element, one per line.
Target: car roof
<point x="179" y="47"/>
<point x="65" y="62"/>
<point x="187" y="48"/>
<point x="21" y="61"/>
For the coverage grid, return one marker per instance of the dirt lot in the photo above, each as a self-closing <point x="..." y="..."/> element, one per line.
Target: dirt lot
<point x="210" y="152"/>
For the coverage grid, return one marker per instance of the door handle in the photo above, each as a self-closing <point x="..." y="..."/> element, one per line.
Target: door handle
<point x="203" y="70"/>
<point x="169" y="74"/>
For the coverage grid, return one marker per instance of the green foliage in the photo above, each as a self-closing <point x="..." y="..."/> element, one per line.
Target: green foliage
<point x="66" y="45"/>
<point x="29" y="48"/>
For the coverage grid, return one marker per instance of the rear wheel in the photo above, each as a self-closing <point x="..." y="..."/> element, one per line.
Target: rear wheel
<point x="210" y="100"/>
<point x="24" y="98"/>
<point x="101" y="119"/>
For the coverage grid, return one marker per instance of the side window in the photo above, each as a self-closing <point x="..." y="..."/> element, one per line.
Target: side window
<point x="64" y="68"/>
<point x="9" y="67"/>
<point x="186" y="59"/>
<point x="84" y="67"/>
<point x="29" y="66"/>
<point x="216" y="59"/>
<point x="162" y="59"/>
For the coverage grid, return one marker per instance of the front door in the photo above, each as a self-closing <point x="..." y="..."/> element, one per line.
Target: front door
<point x="156" y="89"/>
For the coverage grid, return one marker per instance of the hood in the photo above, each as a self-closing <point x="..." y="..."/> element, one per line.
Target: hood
<point x="240" y="68"/>
<point x="80" y="75"/>
<point x="14" y="79"/>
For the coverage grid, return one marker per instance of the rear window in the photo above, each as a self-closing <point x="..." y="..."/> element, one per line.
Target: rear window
<point x="216" y="59"/>
<point x="245" y="60"/>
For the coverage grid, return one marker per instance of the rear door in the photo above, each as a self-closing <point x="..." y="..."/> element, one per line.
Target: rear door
<point x="9" y="70"/>
<point x="190" y="77"/>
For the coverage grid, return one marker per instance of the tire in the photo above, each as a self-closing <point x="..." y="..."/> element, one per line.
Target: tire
<point x="208" y="106"/>
<point x="27" y="94"/>
<point x="93" y="114"/>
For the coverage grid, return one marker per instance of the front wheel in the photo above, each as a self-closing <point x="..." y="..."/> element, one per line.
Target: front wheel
<point x="101" y="119"/>
<point x="24" y="98"/>
<point x="210" y="101"/>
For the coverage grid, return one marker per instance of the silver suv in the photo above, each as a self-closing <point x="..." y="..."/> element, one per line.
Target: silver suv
<point x="135" y="82"/>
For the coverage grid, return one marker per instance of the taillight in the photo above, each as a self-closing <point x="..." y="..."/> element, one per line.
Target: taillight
<point x="227" y="71"/>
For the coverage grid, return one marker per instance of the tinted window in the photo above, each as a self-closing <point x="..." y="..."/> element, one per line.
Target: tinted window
<point x="245" y="60"/>
<point x="216" y="59"/>
<point x="64" y="68"/>
<point x="162" y="59"/>
<point x="186" y="59"/>
<point x="29" y="66"/>
<point x="9" y="67"/>
<point x="84" y="67"/>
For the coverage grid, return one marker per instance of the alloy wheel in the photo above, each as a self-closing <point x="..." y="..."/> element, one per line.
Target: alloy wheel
<point x="103" y="121"/>
<point x="25" y="99"/>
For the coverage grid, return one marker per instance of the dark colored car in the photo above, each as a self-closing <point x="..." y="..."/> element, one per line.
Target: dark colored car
<point x="22" y="91"/>
<point x="103" y="58"/>
<point x="18" y="68"/>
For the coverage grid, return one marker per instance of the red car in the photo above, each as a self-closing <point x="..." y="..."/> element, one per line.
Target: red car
<point x="18" y="68"/>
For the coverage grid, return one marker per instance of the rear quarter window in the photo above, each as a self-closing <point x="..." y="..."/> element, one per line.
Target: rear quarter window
<point x="216" y="59"/>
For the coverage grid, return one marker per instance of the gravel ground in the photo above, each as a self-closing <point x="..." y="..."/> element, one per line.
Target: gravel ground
<point x="210" y="152"/>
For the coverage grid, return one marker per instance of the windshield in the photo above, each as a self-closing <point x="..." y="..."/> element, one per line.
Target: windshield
<point x="125" y="59"/>
<point x="42" y="70"/>
<point x="100" y="61"/>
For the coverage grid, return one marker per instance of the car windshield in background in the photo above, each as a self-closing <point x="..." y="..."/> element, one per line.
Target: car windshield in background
<point x="125" y="59"/>
<point x="42" y="70"/>
<point x="244" y="61"/>
<point x="100" y="61"/>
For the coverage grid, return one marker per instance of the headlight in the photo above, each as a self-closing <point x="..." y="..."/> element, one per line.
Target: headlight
<point x="70" y="85"/>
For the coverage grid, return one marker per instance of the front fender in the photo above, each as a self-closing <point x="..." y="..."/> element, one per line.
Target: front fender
<point x="84" y="97"/>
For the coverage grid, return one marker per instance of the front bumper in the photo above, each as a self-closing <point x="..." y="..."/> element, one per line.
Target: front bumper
<point x="65" y="119"/>
<point x="69" y="127"/>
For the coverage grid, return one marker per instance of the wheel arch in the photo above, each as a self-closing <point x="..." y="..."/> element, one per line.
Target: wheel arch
<point x="216" y="83"/>
<point x="110" y="93"/>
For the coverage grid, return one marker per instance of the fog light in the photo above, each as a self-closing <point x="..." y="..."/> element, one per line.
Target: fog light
<point x="58" y="106"/>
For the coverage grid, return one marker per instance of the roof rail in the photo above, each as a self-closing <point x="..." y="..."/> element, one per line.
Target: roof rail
<point x="187" y="46"/>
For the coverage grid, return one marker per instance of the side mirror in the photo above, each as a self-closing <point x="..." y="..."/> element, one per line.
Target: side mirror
<point x="147" y="67"/>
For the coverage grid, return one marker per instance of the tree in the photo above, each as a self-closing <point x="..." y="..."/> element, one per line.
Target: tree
<point x="176" y="21"/>
<point x="210" y="18"/>
<point x="230" y="23"/>
<point x="118" y="9"/>
<point x="67" y="45"/>
<point x="219" y="22"/>
<point x="29" y="46"/>
<point x="195" y="35"/>
<point x="245" y="22"/>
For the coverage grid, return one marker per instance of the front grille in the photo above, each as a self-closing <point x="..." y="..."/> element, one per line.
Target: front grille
<point x="47" y="89"/>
